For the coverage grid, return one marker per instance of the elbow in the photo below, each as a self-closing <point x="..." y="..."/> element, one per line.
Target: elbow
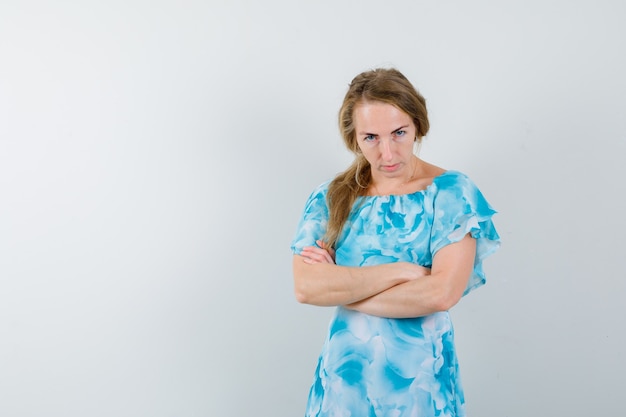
<point x="302" y="287"/>
<point x="446" y="299"/>
<point x="308" y="294"/>
<point x="302" y="295"/>
<point x="445" y="304"/>
<point x="447" y="291"/>
<point x="305" y="297"/>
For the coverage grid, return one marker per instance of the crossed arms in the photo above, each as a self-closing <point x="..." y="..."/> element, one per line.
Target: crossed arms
<point x="394" y="290"/>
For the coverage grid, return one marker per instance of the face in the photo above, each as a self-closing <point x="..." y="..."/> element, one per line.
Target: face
<point x="385" y="134"/>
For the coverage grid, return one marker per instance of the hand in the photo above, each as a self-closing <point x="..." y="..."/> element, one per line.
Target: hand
<point x="318" y="254"/>
<point x="413" y="271"/>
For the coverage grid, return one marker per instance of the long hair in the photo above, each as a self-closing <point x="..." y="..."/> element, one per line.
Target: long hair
<point x="381" y="85"/>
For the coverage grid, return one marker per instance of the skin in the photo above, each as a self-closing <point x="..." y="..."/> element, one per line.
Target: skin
<point x="385" y="136"/>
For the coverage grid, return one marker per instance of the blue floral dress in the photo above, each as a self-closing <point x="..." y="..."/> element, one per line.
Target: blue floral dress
<point x="373" y="366"/>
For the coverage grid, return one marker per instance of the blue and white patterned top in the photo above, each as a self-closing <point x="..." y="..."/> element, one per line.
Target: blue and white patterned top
<point x="374" y="366"/>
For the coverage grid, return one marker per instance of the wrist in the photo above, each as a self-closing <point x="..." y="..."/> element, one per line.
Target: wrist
<point x="403" y="272"/>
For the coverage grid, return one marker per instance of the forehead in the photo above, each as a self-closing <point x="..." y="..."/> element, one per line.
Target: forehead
<point x="378" y="115"/>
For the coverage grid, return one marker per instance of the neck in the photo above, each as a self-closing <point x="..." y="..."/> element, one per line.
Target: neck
<point x="396" y="185"/>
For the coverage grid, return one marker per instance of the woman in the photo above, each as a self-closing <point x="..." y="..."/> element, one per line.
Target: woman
<point x="394" y="242"/>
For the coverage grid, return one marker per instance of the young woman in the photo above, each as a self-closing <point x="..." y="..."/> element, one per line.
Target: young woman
<point x="394" y="242"/>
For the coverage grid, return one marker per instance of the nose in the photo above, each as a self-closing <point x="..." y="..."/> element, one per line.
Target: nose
<point x="386" y="151"/>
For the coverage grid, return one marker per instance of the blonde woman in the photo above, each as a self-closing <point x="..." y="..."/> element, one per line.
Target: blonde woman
<point x="393" y="242"/>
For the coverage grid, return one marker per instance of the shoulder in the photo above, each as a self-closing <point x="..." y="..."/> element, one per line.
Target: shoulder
<point x="455" y="185"/>
<point x="454" y="188"/>
<point x="318" y="195"/>
<point x="321" y="189"/>
<point x="452" y="178"/>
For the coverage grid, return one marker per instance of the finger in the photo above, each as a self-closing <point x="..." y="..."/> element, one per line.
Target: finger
<point x="317" y="251"/>
<point x="317" y="255"/>
<point x="325" y="255"/>
<point x="328" y="258"/>
<point x="328" y="249"/>
<point x="313" y="256"/>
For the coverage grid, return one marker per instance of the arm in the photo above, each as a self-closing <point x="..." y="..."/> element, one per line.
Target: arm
<point x="318" y="281"/>
<point x="439" y="291"/>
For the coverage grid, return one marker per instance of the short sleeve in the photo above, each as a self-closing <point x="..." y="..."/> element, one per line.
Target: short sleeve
<point x="312" y="224"/>
<point x="460" y="208"/>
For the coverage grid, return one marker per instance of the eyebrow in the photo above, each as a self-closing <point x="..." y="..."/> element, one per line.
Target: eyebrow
<point x="400" y="128"/>
<point x="376" y="134"/>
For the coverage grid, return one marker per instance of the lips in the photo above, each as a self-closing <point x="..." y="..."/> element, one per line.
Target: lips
<point x="390" y="167"/>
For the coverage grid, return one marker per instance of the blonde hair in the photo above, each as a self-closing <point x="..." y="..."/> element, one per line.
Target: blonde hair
<point x="383" y="85"/>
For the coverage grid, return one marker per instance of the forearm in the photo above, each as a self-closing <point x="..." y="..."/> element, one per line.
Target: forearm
<point x="325" y="284"/>
<point x="439" y="291"/>
<point x="415" y="298"/>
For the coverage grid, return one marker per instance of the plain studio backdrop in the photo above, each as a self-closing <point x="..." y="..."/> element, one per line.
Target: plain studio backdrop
<point x="155" y="157"/>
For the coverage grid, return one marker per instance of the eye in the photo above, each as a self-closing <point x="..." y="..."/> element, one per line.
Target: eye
<point x="369" y="138"/>
<point x="400" y="133"/>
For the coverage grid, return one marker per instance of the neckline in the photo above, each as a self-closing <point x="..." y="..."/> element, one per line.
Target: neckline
<point x="421" y="191"/>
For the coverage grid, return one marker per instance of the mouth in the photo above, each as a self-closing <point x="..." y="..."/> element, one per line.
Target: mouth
<point x="390" y="167"/>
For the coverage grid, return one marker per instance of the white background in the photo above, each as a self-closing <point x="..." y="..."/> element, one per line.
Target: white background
<point x="155" y="157"/>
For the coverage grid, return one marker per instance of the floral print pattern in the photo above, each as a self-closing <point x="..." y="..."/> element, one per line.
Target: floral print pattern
<point x="380" y="367"/>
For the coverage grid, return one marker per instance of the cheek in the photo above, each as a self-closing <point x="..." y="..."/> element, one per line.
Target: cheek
<point x="370" y="154"/>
